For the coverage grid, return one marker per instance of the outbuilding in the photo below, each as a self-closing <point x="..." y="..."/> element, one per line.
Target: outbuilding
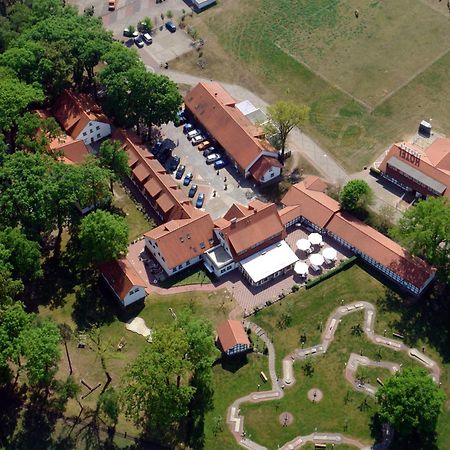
<point x="232" y="338"/>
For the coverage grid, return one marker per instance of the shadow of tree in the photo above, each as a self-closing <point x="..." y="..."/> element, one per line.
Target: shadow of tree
<point x="11" y="403"/>
<point x="234" y="363"/>
<point x="425" y="320"/>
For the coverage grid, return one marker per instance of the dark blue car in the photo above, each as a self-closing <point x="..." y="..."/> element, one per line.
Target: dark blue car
<point x="220" y="164"/>
<point x="187" y="179"/>
<point x="171" y="27"/>
<point x="200" y="200"/>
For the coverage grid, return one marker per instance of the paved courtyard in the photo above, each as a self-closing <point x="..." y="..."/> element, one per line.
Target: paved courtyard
<point x="206" y="177"/>
<point x="248" y="297"/>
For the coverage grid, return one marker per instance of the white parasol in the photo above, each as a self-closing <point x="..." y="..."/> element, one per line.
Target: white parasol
<point x="303" y="245"/>
<point x="315" y="238"/>
<point x="329" y="254"/>
<point x="301" y="268"/>
<point x="316" y="259"/>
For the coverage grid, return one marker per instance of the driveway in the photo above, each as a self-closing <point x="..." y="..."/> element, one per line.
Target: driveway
<point x="225" y="184"/>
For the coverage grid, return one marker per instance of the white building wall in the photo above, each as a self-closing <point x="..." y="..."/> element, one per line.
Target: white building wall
<point x="94" y="131"/>
<point x="135" y="294"/>
<point x="272" y="173"/>
<point x="270" y="154"/>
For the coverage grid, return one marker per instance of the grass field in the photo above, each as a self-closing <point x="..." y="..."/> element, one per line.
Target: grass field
<point x="369" y="81"/>
<point x="194" y="275"/>
<point x="309" y="311"/>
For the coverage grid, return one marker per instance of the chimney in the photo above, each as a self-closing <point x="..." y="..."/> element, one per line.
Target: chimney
<point x="233" y="222"/>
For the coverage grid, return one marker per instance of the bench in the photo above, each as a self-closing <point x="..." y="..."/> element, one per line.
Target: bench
<point x="320" y="446"/>
<point x="380" y="382"/>
<point x="263" y="377"/>
<point x="398" y="335"/>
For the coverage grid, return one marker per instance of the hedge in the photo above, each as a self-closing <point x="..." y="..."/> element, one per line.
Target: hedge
<point x="343" y="266"/>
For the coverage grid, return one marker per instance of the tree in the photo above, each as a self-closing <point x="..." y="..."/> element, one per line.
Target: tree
<point x="103" y="236"/>
<point x="41" y="351"/>
<point x="156" y="391"/>
<point x="411" y="402"/>
<point x="424" y="230"/>
<point x="24" y="254"/>
<point x="355" y="195"/>
<point x="283" y="117"/>
<point x="115" y="158"/>
<point x="109" y="406"/>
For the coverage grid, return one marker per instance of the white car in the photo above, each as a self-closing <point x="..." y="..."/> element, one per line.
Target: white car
<point x="192" y="134"/>
<point x="212" y="158"/>
<point x="197" y="139"/>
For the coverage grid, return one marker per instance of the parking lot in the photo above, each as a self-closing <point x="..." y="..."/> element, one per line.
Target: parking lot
<point x="221" y="190"/>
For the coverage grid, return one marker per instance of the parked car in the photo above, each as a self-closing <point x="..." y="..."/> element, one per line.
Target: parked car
<point x="220" y="164"/>
<point x="157" y="148"/>
<point x="212" y="158"/>
<point x="147" y="38"/>
<point x="187" y="179"/>
<point x="208" y="151"/>
<point x="128" y="33"/>
<point x="180" y="171"/>
<point x="163" y="156"/>
<point x="112" y="5"/>
<point x="192" y="191"/>
<point x="191" y="134"/>
<point x="139" y="42"/>
<point x="204" y="145"/>
<point x="197" y="139"/>
<point x="171" y="27"/>
<point x="180" y="120"/>
<point x="200" y="200"/>
<point x="174" y="163"/>
<point x="187" y="127"/>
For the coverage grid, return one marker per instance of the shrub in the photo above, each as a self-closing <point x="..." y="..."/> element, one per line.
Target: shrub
<point x="343" y="266"/>
<point x="295" y="288"/>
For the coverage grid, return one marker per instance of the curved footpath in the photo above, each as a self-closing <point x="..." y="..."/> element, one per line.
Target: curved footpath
<point x="236" y="421"/>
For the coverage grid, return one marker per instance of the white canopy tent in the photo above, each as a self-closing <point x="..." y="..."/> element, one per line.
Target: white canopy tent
<point x="330" y="254"/>
<point x="315" y="238"/>
<point x="301" y="268"/>
<point x="303" y="244"/>
<point x="316" y="260"/>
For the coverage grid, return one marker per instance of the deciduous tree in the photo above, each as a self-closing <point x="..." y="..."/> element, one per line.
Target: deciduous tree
<point x="425" y="230"/>
<point x="283" y="117"/>
<point x="114" y="158"/>
<point x="356" y="194"/>
<point x="411" y="402"/>
<point x="103" y="236"/>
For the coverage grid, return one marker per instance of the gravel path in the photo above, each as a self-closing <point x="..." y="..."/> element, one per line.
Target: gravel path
<point x="236" y="421"/>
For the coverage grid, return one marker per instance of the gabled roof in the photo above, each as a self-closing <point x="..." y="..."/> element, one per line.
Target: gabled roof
<point x="215" y="109"/>
<point x="258" y="223"/>
<point x="154" y="180"/>
<point x="379" y="247"/>
<point x="122" y="276"/>
<point x="231" y="333"/>
<point x="315" y="205"/>
<point x="289" y="213"/>
<point x="74" y="111"/>
<point x="181" y="240"/>
<point x="433" y="163"/>
<point x="264" y="163"/>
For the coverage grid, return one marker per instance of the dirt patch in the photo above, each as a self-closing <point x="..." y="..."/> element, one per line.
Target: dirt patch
<point x="315" y="395"/>
<point x="286" y="419"/>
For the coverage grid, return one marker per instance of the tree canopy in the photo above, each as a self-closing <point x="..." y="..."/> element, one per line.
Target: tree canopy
<point x="411" y="402"/>
<point x="115" y="158"/>
<point x="103" y="236"/>
<point x="356" y="194"/>
<point x="283" y="117"/>
<point x="425" y="231"/>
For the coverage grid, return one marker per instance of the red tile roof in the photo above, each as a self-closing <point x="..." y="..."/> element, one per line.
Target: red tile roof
<point x="181" y="240"/>
<point x="315" y="205"/>
<point x="154" y="180"/>
<point x="74" y="111"/>
<point x="215" y="109"/>
<point x="434" y="162"/>
<point x="289" y="213"/>
<point x="379" y="247"/>
<point x="264" y="163"/>
<point x="259" y="224"/>
<point x="122" y="276"/>
<point x="231" y="333"/>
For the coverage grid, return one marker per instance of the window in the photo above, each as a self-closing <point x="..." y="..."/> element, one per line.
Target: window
<point x="98" y="136"/>
<point x="84" y="133"/>
<point x="272" y="175"/>
<point x="91" y="131"/>
<point x="97" y="127"/>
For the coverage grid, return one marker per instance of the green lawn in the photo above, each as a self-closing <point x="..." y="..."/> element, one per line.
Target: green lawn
<point x="309" y="311"/>
<point x="263" y="46"/>
<point x="193" y="275"/>
<point x="136" y="220"/>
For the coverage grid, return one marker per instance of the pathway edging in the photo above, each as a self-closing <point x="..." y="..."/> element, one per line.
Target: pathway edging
<point x="236" y="421"/>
